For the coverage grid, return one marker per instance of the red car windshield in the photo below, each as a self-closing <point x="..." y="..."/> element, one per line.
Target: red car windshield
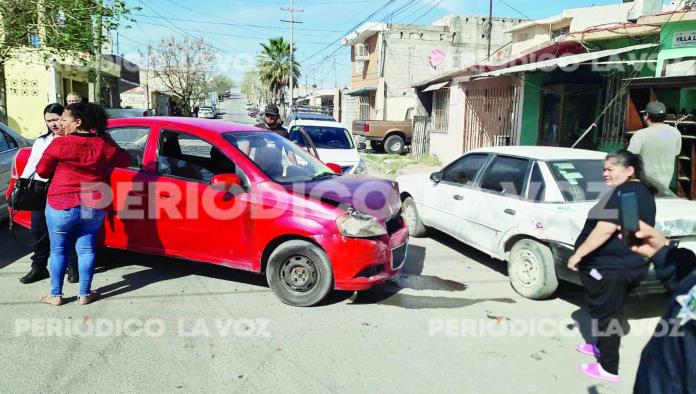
<point x="279" y="158"/>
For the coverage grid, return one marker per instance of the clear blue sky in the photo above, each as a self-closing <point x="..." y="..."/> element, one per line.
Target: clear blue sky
<point x="236" y="27"/>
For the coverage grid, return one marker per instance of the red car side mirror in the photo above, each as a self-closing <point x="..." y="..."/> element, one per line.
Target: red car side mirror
<point x="335" y="168"/>
<point x="225" y="181"/>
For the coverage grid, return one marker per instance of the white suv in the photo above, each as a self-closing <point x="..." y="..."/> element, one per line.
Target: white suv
<point x="334" y="143"/>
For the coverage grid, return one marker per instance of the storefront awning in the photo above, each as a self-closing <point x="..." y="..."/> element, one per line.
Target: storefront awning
<point x="362" y="91"/>
<point x="688" y="81"/>
<point x="565" y="61"/>
<point x="436" y="86"/>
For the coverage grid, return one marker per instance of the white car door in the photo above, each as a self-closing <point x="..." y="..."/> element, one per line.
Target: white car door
<point x="443" y="200"/>
<point x="493" y="209"/>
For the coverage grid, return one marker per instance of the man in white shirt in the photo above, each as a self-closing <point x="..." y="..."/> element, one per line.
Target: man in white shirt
<point x="659" y="144"/>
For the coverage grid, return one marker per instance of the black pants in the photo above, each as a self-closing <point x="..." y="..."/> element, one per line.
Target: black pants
<point x="605" y="299"/>
<point x="42" y="249"/>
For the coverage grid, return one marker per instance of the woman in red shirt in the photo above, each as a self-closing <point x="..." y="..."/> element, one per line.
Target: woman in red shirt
<point x="79" y="166"/>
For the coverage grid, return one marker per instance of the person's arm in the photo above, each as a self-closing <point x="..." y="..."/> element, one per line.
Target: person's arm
<point x="671" y="264"/>
<point x="49" y="161"/>
<point x="636" y="144"/>
<point x="118" y="157"/>
<point x="37" y="151"/>
<point x="599" y="235"/>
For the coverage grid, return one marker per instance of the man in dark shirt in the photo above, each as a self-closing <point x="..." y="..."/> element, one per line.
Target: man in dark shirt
<point x="668" y="362"/>
<point x="271" y="121"/>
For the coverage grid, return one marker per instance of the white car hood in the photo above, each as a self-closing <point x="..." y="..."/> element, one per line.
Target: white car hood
<point x="339" y="156"/>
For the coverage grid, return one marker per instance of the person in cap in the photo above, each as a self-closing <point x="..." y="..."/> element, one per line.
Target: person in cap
<point x="271" y="121"/>
<point x="659" y="144"/>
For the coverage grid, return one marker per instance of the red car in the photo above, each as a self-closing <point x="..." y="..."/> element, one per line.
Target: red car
<point x="232" y="195"/>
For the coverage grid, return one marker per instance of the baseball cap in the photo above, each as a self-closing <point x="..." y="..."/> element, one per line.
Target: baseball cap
<point x="654" y="108"/>
<point x="271" y="109"/>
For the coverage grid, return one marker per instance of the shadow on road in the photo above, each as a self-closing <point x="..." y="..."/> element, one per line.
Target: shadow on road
<point x="11" y="249"/>
<point x="162" y="269"/>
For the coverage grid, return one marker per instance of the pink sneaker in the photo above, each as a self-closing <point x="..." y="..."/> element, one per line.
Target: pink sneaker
<point x="588" y="348"/>
<point x="595" y="370"/>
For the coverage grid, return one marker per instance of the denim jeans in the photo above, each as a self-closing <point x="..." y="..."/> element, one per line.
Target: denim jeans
<point x="78" y="227"/>
<point x="42" y="248"/>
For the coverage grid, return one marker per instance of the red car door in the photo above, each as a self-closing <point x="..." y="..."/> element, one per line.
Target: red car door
<point x="130" y="224"/>
<point x="194" y="220"/>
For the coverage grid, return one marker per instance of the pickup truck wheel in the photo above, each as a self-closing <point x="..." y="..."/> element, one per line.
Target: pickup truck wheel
<point x="416" y="228"/>
<point x="299" y="273"/>
<point x="394" y="144"/>
<point x="377" y="146"/>
<point x="531" y="269"/>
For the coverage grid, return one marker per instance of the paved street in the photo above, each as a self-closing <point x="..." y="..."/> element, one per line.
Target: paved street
<point x="196" y="327"/>
<point x="234" y="109"/>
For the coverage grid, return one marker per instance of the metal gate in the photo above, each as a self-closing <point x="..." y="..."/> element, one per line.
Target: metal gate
<point x="420" y="143"/>
<point x="491" y="116"/>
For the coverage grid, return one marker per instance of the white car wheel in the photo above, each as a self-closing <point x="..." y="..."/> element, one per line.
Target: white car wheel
<point x="531" y="269"/>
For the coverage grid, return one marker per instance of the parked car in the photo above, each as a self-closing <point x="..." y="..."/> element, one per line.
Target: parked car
<point x="392" y="136"/>
<point x="128" y="112"/>
<point x="333" y="143"/>
<point x="227" y="194"/>
<point x="526" y="206"/>
<point x="309" y="116"/>
<point x="10" y="143"/>
<point x="206" y="113"/>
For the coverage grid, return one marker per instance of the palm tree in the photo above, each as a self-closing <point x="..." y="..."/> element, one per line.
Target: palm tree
<point x="274" y="67"/>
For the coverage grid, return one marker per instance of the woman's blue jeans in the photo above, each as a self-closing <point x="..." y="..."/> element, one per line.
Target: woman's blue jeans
<point x="73" y="228"/>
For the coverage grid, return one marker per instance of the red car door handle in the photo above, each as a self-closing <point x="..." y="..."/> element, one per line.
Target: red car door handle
<point x="166" y="195"/>
<point x="137" y="194"/>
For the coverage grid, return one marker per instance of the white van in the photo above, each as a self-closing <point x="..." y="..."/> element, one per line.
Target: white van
<point x="334" y="143"/>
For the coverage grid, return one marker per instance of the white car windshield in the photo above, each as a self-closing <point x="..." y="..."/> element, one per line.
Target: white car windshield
<point x="323" y="137"/>
<point x="583" y="180"/>
<point x="279" y="158"/>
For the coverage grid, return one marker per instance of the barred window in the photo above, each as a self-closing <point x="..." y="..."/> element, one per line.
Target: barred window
<point x="440" y="111"/>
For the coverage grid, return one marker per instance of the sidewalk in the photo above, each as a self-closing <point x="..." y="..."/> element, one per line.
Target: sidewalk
<point x="391" y="166"/>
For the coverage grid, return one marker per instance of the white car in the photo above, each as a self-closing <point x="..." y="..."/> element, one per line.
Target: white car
<point x="333" y="142"/>
<point x="525" y="205"/>
<point x="206" y="113"/>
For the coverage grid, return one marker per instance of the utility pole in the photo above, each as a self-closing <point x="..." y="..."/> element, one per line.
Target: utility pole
<point x="490" y="26"/>
<point x="147" y="78"/>
<point x="292" y="22"/>
<point x="118" y="51"/>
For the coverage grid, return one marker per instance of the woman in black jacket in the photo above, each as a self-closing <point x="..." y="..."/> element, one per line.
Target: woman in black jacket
<point x="609" y="269"/>
<point x="668" y="362"/>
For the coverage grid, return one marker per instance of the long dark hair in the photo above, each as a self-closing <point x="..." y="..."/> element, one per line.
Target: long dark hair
<point x="93" y="116"/>
<point x="627" y="159"/>
<point x="54" y="108"/>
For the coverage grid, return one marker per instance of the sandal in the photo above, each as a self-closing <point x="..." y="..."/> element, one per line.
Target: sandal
<point x="89" y="298"/>
<point x="52" y="300"/>
<point x="588" y="348"/>
<point x="595" y="370"/>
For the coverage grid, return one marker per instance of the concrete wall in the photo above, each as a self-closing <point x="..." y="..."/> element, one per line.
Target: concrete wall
<point x="668" y="51"/>
<point x="27" y="95"/>
<point x="370" y="74"/>
<point x="449" y="146"/>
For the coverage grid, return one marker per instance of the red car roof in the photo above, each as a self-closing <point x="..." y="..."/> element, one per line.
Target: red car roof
<point x="217" y="126"/>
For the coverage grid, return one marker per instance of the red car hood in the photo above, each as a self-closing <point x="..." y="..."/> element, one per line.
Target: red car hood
<point x="372" y="196"/>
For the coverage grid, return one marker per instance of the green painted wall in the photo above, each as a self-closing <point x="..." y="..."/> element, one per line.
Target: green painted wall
<point x="531" y="110"/>
<point x="667" y="38"/>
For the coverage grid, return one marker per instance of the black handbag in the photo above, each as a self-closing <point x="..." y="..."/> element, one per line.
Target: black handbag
<point x="29" y="194"/>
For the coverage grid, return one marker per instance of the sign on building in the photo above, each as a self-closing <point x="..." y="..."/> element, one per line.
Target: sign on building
<point x="684" y="39"/>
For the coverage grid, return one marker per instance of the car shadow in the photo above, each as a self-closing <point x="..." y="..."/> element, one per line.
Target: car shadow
<point x="469" y="252"/>
<point x="13" y="250"/>
<point x="411" y="277"/>
<point x="161" y="269"/>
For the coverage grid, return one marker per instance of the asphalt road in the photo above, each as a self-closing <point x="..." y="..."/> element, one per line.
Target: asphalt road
<point x="234" y="109"/>
<point x="166" y="325"/>
<point x="449" y="322"/>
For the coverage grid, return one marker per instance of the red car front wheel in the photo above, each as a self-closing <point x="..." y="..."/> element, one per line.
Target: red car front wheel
<point x="299" y="273"/>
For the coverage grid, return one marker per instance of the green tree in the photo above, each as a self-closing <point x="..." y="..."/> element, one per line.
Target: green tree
<point x="274" y="68"/>
<point x="219" y="83"/>
<point x="57" y="28"/>
<point x="183" y="67"/>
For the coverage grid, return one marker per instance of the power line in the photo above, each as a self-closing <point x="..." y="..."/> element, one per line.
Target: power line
<point x="159" y="16"/>
<point x="387" y="4"/>
<point x="515" y="9"/>
<point x="427" y="12"/>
